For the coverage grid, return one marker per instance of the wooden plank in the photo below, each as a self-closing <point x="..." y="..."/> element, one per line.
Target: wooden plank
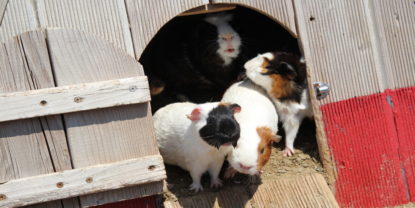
<point x="309" y="190"/>
<point x="395" y="22"/>
<point x="338" y="47"/>
<point x="74" y="98"/>
<point x="104" y="18"/>
<point x="147" y="17"/>
<point x="3" y="5"/>
<point x="107" y="135"/>
<point x="82" y="181"/>
<point x="25" y="144"/>
<point x="19" y="17"/>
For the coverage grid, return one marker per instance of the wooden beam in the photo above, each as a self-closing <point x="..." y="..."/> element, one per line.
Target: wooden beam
<point x="82" y="181"/>
<point x="73" y="98"/>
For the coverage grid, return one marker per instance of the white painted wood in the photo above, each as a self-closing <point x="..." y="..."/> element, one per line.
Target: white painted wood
<point x="73" y="98"/>
<point x="82" y="181"/>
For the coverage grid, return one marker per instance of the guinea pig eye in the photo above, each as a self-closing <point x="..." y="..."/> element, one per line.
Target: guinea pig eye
<point x="262" y="151"/>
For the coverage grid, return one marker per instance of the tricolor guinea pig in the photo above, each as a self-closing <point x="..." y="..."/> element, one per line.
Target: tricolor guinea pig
<point x="259" y="126"/>
<point x="197" y="137"/>
<point x="284" y="77"/>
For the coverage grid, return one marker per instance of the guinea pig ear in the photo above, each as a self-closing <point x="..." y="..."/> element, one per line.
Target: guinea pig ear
<point x="288" y="70"/>
<point x="235" y="108"/>
<point x="195" y="115"/>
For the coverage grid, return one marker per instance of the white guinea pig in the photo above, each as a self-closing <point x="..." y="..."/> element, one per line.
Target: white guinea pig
<point x="284" y="77"/>
<point x="259" y="125"/>
<point x="197" y="137"/>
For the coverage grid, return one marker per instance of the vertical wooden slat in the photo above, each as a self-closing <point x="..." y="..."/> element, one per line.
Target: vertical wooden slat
<point x="147" y="17"/>
<point x="108" y="135"/>
<point x="396" y="20"/>
<point x="25" y="144"/>
<point x="338" y="47"/>
<point x="105" y="18"/>
<point x="19" y="17"/>
<point x="3" y="5"/>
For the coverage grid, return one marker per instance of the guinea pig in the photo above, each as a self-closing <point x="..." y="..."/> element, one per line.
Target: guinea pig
<point x="259" y="127"/>
<point x="284" y="77"/>
<point x="194" y="57"/>
<point x="197" y="137"/>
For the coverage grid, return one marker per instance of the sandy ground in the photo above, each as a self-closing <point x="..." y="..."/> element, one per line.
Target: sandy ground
<point x="305" y="160"/>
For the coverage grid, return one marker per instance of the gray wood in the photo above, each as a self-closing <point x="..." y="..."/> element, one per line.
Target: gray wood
<point x="3" y="5"/>
<point x="104" y="18"/>
<point x="19" y="17"/>
<point x="23" y="144"/>
<point x="108" y="135"/>
<point x="338" y="47"/>
<point x="395" y="30"/>
<point x="147" y="17"/>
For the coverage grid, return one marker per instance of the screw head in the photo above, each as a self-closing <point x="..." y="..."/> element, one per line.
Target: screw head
<point x="77" y="99"/>
<point x="151" y="167"/>
<point x="3" y="197"/>
<point x="89" y="180"/>
<point x="59" y="184"/>
<point x="132" y="88"/>
<point x="43" y="103"/>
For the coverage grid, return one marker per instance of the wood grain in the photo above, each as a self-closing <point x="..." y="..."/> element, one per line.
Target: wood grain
<point x="147" y="17"/>
<point x="82" y="181"/>
<point x="107" y="135"/>
<point x="25" y="144"/>
<point x="74" y="98"/>
<point x="338" y="47"/>
<point x="103" y="18"/>
<point x="3" y="5"/>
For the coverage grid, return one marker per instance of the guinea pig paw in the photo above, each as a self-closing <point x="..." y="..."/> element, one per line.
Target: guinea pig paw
<point x="230" y="173"/>
<point x="196" y="187"/>
<point x="287" y="152"/>
<point x="216" y="183"/>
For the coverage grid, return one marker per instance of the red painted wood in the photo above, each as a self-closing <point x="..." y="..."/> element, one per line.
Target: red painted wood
<point x="362" y="137"/>
<point x="146" y="202"/>
<point x="404" y="111"/>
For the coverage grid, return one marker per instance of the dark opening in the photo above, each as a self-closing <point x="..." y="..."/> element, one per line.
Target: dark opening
<point x="181" y="60"/>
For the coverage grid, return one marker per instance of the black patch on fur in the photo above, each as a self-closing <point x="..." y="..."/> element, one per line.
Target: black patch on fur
<point x="221" y="127"/>
<point x="296" y="73"/>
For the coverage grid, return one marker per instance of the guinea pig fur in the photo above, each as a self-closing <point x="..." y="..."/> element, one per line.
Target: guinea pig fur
<point x="197" y="137"/>
<point x="229" y="40"/>
<point x="259" y="125"/>
<point x="284" y="78"/>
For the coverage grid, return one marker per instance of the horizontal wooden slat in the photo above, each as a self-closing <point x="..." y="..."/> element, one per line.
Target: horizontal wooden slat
<point x="82" y="181"/>
<point x="73" y="98"/>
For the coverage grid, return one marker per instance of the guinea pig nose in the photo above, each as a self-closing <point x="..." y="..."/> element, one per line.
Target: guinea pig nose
<point x="244" y="166"/>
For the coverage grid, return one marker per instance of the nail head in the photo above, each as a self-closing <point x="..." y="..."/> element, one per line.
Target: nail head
<point x="59" y="184"/>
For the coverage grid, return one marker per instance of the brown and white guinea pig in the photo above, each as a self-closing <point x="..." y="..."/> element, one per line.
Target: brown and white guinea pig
<point x="283" y="76"/>
<point x="196" y="57"/>
<point x="259" y="126"/>
<point x="197" y="137"/>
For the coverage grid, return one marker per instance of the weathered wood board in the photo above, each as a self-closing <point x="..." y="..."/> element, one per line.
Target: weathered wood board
<point x="107" y="135"/>
<point x="309" y="190"/>
<point x="34" y="146"/>
<point x="81" y="181"/>
<point x="73" y="98"/>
